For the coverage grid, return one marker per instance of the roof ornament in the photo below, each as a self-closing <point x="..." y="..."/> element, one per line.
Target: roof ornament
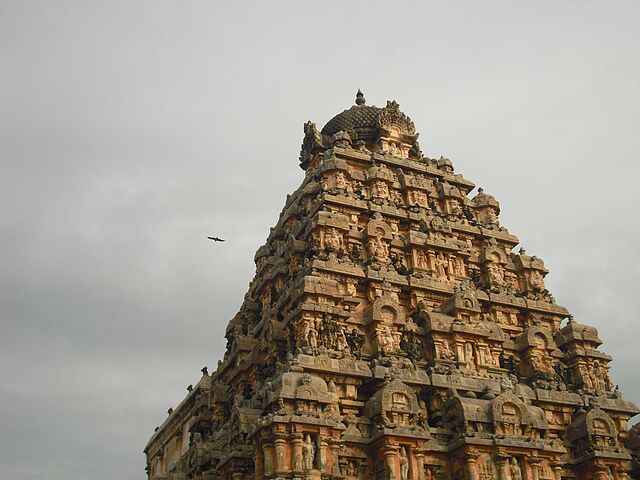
<point x="360" y="100"/>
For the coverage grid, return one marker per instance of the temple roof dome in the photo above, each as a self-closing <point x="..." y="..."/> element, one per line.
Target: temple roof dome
<point x="364" y="121"/>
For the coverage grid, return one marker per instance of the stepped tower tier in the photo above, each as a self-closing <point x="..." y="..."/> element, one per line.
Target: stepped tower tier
<point x="392" y="331"/>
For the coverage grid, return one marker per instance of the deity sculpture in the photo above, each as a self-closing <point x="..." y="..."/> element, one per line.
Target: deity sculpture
<point x="308" y="452"/>
<point x="445" y="351"/>
<point x="341" y="181"/>
<point x="536" y="280"/>
<point x="333" y="241"/>
<point x="386" y="340"/>
<point x="380" y="189"/>
<point x="516" y="472"/>
<point x="404" y="464"/>
<point x="378" y="249"/>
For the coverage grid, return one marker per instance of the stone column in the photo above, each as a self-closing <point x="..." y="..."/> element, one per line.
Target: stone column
<point x="557" y="471"/>
<point x="600" y="472"/>
<point x="502" y="462"/>
<point x="390" y="461"/>
<point x="322" y="455"/>
<point x="267" y="450"/>
<point x="470" y="460"/>
<point x="534" y="463"/>
<point x="296" y="454"/>
<point x="419" y="456"/>
<point x="280" y="453"/>
<point x="335" y="459"/>
<point x="259" y="468"/>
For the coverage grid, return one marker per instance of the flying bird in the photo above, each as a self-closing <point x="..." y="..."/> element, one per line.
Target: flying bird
<point x="216" y="239"/>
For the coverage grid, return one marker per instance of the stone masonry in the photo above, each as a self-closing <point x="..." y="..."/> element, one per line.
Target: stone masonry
<point x="393" y="331"/>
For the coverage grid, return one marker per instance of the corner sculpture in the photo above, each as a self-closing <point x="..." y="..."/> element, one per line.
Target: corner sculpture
<point x="392" y="332"/>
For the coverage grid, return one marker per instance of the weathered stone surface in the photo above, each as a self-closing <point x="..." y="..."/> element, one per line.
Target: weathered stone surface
<point x="391" y="332"/>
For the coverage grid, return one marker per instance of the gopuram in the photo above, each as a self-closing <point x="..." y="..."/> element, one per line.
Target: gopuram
<point x="394" y="331"/>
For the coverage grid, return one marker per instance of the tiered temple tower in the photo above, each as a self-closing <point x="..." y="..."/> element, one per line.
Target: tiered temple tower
<point x="392" y="332"/>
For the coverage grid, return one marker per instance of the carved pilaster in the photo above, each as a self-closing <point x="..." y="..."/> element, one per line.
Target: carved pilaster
<point x="534" y="466"/>
<point x="502" y="462"/>
<point x="296" y="456"/>
<point x="471" y="463"/>
<point x="419" y="463"/>
<point x="267" y="455"/>
<point x="280" y="448"/>
<point x="390" y="454"/>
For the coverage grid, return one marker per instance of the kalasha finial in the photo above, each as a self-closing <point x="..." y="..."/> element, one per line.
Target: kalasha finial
<point x="360" y="98"/>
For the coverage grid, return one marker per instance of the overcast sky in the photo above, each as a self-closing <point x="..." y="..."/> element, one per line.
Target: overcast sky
<point x="130" y="130"/>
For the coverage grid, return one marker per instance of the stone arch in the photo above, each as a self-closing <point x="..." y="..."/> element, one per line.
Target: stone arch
<point x="311" y="387"/>
<point x="388" y="311"/>
<point x="536" y="337"/>
<point x="379" y="228"/>
<point x="598" y="422"/>
<point x="493" y="254"/>
<point x="513" y="404"/>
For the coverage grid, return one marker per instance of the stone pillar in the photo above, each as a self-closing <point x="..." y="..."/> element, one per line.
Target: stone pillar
<point x="267" y="450"/>
<point x="322" y="455"/>
<point x="557" y="471"/>
<point x="600" y="472"/>
<point x="280" y="453"/>
<point x="259" y="466"/>
<point x="471" y="460"/>
<point x="419" y="456"/>
<point x="534" y="463"/>
<point x="297" y="464"/>
<point x="335" y="459"/>
<point x="502" y="462"/>
<point x="390" y="461"/>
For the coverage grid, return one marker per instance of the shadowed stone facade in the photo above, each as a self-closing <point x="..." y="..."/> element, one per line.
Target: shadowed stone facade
<point x="392" y="331"/>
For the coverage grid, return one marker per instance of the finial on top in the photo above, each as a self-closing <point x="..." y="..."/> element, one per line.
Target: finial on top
<point x="360" y="98"/>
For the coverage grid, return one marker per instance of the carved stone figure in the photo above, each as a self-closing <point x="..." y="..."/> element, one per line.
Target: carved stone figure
<point x="386" y="340"/>
<point x="380" y="189"/>
<point x="516" y="472"/>
<point x="404" y="464"/>
<point x="445" y="351"/>
<point x="308" y="452"/>
<point x="333" y="240"/>
<point x="379" y="250"/>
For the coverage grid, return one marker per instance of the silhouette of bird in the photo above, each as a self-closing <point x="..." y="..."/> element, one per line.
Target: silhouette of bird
<point x="216" y="239"/>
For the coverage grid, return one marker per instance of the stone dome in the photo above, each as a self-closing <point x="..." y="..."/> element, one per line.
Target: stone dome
<point x="360" y="120"/>
<point x="363" y="121"/>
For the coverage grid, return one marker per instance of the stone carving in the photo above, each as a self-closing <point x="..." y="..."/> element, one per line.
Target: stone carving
<point x="411" y="344"/>
<point x="404" y="464"/>
<point x="392" y="118"/>
<point x="516" y="471"/>
<point x="309" y="452"/>
<point x="311" y="144"/>
<point x="378" y="250"/>
<point x="387" y="340"/>
<point x="326" y="376"/>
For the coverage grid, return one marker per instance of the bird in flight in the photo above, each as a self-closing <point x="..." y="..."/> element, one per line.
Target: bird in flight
<point x="216" y="239"/>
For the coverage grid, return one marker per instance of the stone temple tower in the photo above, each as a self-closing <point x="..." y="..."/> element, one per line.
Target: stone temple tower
<point x="394" y="331"/>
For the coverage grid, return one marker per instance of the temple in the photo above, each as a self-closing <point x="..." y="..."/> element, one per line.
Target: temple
<point x="394" y="330"/>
